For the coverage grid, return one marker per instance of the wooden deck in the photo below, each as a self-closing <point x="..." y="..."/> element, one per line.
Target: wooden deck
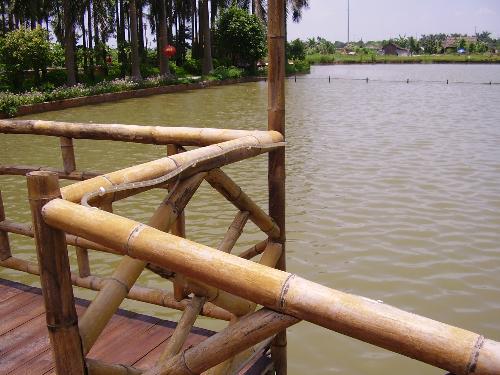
<point x="129" y="338"/>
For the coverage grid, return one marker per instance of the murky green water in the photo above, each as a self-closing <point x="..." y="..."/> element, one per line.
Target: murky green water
<point x="393" y="193"/>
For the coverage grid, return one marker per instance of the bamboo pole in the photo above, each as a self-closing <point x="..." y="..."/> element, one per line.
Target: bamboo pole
<point x="27" y="230"/>
<point x="183" y="328"/>
<point x="82" y="259"/>
<point x="62" y="321"/>
<point x="254" y="250"/>
<point x="68" y="154"/>
<point x="22" y="170"/>
<point x="199" y="160"/>
<point x="4" y="237"/>
<point x="178" y="229"/>
<point x="276" y="169"/>
<point x="233" y="193"/>
<point x="96" y="367"/>
<point x="247" y="332"/>
<point x="130" y="133"/>
<point x="426" y="340"/>
<point x="271" y="254"/>
<point x="153" y="296"/>
<point x="128" y="271"/>
<point x="234" y="231"/>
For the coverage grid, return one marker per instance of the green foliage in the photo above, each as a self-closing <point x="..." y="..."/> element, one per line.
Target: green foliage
<point x="22" y="50"/>
<point x="298" y="67"/>
<point x="220" y="73"/>
<point x="241" y="37"/>
<point x="296" y="50"/>
<point x="192" y="66"/>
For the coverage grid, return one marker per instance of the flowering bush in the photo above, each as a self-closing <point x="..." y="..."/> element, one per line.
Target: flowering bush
<point x="10" y="102"/>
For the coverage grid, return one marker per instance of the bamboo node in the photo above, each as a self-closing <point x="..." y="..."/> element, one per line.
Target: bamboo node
<point x="55" y="327"/>
<point x="125" y="286"/>
<point x="137" y="229"/>
<point x="471" y="368"/>
<point x="284" y="291"/>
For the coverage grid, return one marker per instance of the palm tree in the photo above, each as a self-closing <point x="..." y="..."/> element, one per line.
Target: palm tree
<point x="136" y="69"/>
<point x="69" y="42"/>
<point x="207" y="65"/>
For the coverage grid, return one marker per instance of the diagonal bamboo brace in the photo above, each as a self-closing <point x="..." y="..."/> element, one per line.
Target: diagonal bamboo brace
<point x="128" y="271"/>
<point x="441" y="345"/>
<point x="183" y="328"/>
<point x="234" y="231"/>
<point x="245" y="333"/>
<point x="233" y="193"/>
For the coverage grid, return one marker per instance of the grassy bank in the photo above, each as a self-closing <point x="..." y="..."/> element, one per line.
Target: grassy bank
<point x="10" y="102"/>
<point x="420" y="59"/>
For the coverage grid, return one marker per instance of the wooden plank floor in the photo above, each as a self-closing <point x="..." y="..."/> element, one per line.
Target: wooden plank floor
<point x="129" y="338"/>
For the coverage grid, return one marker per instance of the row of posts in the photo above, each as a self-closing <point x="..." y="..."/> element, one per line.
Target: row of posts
<point x="407" y="80"/>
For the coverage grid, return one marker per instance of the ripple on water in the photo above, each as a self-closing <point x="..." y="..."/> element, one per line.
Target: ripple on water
<point x="392" y="193"/>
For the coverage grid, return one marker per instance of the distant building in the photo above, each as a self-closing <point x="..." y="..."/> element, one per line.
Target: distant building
<point x="451" y="43"/>
<point x="394" y="49"/>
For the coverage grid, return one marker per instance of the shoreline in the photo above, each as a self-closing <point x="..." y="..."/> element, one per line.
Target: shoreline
<point x="122" y="95"/>
<point x="395" y="62"/>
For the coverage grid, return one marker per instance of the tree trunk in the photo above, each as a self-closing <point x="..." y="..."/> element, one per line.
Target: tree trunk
<point x="91" y="51"/>
<point x="84" y="44"/>
<point x="140" y="30"/>
<point x="207" y="45"/>
<point x="136" y="64"/>
<point x="69" y="47"/>
<point x="10" y="17"/>
<point x="122" y="57"/>
<point x="164" y="68"/>
<point x="4" y="25"/>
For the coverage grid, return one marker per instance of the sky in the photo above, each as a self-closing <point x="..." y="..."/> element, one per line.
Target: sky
<point x="385" y="19"/>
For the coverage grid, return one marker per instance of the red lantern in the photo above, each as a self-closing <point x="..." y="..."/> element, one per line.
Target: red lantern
<point x="109" y="59"/>
<point x="169" y="51"/>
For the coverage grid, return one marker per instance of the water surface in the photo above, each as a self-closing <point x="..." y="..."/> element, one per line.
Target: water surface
<point x="393" y="193"/>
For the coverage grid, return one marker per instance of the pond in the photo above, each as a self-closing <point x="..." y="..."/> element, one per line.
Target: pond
<point x="393" y="192"/>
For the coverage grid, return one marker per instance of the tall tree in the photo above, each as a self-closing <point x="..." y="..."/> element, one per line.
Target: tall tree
<point x="69" y="42"/>
<point x="207" y="65"/>
<point x="163" y="42"/>
<point x="136" y="64"/>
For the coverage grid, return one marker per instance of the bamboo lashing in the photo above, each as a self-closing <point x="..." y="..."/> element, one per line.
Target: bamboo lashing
<point x="22" y="170"/>
<point x="429" y="341"/>
<point x="276" y="34"/>
<point x="4" y="237"/>
<point x="110" y="297"/>
<point x="153" y="296"/>
<point x="178" y="229"/>
<point x="234" y="231"/>
<point x="247" y="332"/>
<point x="142" y="177"/>
<point x="158" y="135"/>
<point x="60" y="312"/>
<point x="183" y="328"/>
<point x="233" y="193"/>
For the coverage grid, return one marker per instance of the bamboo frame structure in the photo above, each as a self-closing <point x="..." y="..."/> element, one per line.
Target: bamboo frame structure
<point x="4" y="237"/>
<point x="276" y="169"/>
<point x="429" y="341"/>
<point x="62" y="321"/>
<point x="221" y="285"/>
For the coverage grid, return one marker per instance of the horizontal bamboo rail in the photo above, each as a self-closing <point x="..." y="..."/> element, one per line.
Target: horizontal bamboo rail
<point x="158" y="135"/>
<point x="22" y="170"/>
<point x="441" y="345"/>
<point x="153" y="296"/>
<point x="195" y="161"/>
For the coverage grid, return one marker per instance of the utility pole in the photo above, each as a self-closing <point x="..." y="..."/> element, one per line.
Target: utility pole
<point x="348" y="20"/>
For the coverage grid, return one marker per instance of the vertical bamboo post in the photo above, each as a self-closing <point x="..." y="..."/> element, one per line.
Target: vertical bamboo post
<point x="55" y="277"/>
<point x="68" y="154"/>
<point x="4" y="238"/>
<point x="82" y="258"/>
<point x="178" y="229"/>
<point x="276" y="171"/>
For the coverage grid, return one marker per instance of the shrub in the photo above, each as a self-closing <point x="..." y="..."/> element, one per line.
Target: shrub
<point x="223" y="72"/>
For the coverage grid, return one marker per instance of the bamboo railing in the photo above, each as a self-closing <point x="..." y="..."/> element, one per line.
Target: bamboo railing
<point x="206" y="281"/>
